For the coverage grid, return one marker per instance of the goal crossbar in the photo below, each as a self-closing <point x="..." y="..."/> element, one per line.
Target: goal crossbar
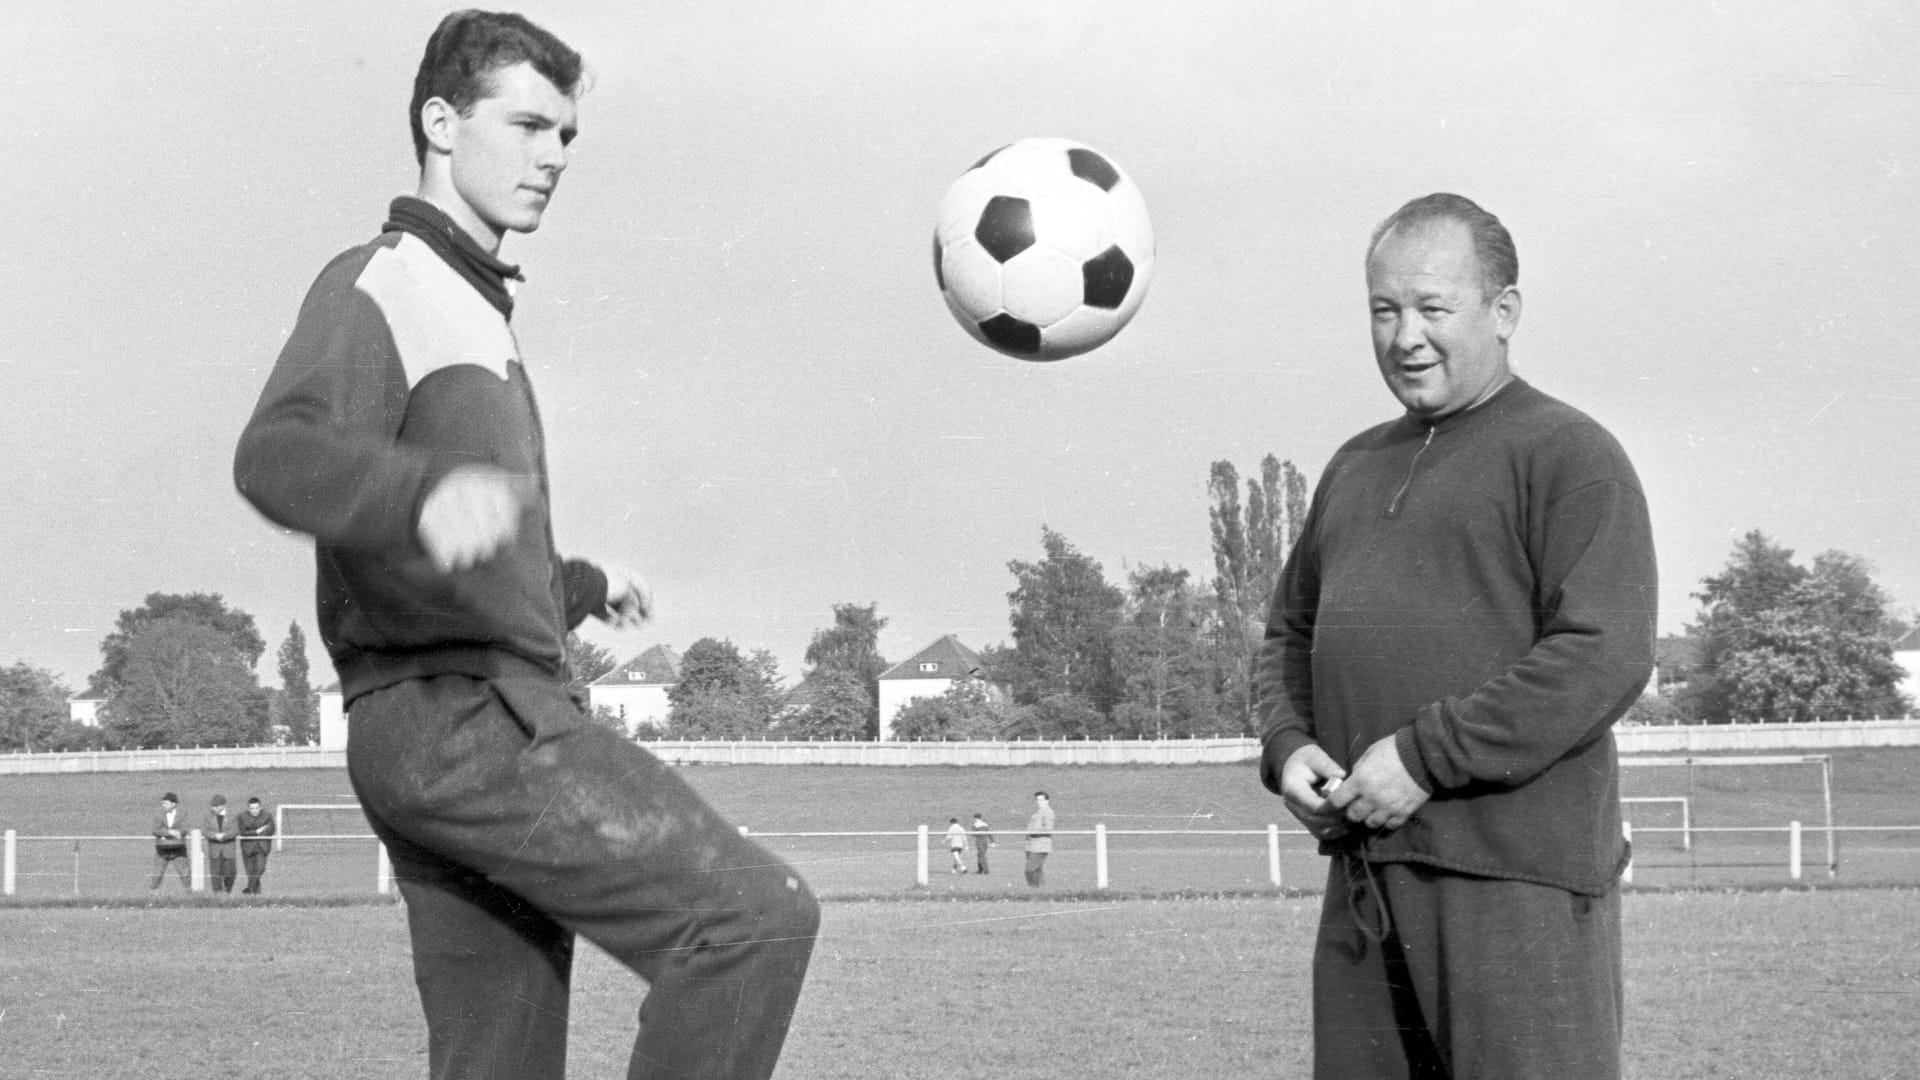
<point x="1825" y="761"/>
<point x="280" y="818"/>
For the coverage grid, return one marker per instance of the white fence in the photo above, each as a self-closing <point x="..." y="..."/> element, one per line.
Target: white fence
<point x="919" y="845"/>
<point x="1749" y="738"/>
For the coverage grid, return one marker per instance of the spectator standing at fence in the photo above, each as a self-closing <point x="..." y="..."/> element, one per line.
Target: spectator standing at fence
<point x="256" y="824"/>
<point x="398" y="428"/>
<point x="170" y="841"/>
<point x="1039" y="839"/>
<point x="1468" y="610"/>
<point x="957" y="846"/>
<point x="219" y="830"/>
<point x="982" y="840"/>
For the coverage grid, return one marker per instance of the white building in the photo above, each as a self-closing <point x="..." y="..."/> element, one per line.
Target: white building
<point x="636" y="691"/>
<point x="1906" y="653"/>
<point x="85" y="710"/>
<point x="928" y="673"/>
<point x="333" y="718"/>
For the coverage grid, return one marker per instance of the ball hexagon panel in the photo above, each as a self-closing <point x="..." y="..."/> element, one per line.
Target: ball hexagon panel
<point x="972" y="278"/>
<point x="1087" y="328"/>
<point x="1041" y="286"/>
<point x="1074" y="223"/>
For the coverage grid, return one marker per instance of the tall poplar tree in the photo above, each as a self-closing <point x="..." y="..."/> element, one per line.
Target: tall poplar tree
<point x="1251" y="542"/>
<point x="299" y="708"/>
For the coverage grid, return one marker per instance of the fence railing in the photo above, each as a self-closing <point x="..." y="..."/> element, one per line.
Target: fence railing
<point x="919" y="844"/>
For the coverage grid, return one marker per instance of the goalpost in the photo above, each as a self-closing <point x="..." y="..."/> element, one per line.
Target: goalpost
<point x="328" y="832"/>
<point x="1692" y="763"/>
<point x="1686" y="812"/>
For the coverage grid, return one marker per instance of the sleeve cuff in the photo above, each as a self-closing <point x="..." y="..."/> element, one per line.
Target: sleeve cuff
<point x="1409" y="749"/>
<point x="1279" y="746"/>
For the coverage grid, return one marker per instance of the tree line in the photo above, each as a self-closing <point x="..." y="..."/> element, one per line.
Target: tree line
<point x="1161" y="655"/>
<point x="1775" y="641"/>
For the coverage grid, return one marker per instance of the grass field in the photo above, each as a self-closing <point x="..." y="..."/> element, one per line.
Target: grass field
<point x="1871" y="787"/>
<point x="909" y="983"/>
<point x="1801" y="985"/>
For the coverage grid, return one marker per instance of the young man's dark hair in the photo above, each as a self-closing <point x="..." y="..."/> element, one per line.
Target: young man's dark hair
<point x="469" y="46"/>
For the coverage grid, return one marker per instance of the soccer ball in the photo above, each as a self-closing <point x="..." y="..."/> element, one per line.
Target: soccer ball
<point x="1043" y="249"/>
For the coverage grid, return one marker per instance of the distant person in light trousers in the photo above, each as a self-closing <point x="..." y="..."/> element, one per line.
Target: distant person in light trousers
<point x="170" y="842"/>
<point x="1039" y="839"/>
<point x="398" y="429"/>
<point x="256" y="829"/>
<point x="219" y="830"/>
<point x="957" y="845"/>
<point x="1468" y="610"/>
<point x="982" y="840"/>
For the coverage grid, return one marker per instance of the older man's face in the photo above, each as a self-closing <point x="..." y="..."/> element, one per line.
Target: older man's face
<point x="1441" y="343"/>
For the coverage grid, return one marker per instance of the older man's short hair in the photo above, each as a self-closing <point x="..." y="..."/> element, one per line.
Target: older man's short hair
<point x="1492" y="244"/>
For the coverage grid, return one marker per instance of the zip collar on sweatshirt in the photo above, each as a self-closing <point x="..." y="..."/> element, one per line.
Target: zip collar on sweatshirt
<point x="1448" y="423"/>
<point x="484" y="271"/>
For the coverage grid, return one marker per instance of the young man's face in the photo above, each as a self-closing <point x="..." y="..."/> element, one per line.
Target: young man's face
<point x="509" y="150"/>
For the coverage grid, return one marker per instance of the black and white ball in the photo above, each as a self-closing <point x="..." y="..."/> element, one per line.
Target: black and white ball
<point x="1043" y="249"/>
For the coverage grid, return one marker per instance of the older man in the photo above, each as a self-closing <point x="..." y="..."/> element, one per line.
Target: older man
<point x="1469" y="609"/>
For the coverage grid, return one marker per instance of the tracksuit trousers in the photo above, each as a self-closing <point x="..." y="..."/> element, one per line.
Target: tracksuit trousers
<point x="514" y="823"/>
<point x="1420" y="974"/>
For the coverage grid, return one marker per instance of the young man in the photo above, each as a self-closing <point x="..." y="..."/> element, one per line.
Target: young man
<point x="219" y="829"/>
<point x="399" y="430"/>
<point x="1468" y="610"/>
<point x="256" y="826"/>
<point x="170" y="842"/>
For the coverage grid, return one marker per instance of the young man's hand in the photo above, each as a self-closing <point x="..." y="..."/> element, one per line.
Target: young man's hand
<point x="471" y="514"/>
<point x="629" y="599"/>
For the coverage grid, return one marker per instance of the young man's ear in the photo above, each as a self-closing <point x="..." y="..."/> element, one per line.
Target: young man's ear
<point x="437" y="122"/>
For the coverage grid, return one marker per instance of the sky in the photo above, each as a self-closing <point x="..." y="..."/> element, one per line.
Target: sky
<point x="751" y="389"/>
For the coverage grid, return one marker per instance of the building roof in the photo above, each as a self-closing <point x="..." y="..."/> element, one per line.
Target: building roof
<point x="658" y="666"/>
<point x="1909" y="643"/>
<point x="950" y="660"/>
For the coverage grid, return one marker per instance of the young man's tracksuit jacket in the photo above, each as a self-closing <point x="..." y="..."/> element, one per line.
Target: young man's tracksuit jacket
<point x="401" y="344"/>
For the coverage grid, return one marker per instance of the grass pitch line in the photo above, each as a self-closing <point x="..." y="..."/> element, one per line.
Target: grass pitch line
<point x="1007" y="918"/>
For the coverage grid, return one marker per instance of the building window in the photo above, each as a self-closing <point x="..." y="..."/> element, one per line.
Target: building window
<point x="930" y="666"/>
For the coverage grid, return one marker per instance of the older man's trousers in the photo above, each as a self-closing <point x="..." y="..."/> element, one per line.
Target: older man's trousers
<point x="1420" y="974"/>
